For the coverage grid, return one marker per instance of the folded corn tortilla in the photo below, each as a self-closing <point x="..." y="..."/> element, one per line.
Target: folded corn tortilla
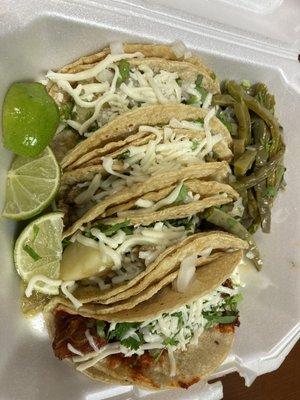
<point x="178" y="365"/>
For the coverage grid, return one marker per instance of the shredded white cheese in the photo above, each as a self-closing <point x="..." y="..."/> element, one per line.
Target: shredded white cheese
<point x="52" y="285"/>
<point x="64" y="288"/>
<point x="91" y="340"/>
<point x="73" y="350"/>
<point x="142" y="203"/>
<point x="90" y="191"/>
<point x="142" y="86"/>
<point x="91" y="73"/>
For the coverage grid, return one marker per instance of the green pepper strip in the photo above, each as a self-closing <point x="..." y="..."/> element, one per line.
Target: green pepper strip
<point x="223" y="100"/>
<point x="263" y="113"/>
<point x="244" y="162"/>
<point x="252" y="205"/>
<point x="241" y="112"/>
<point x="262" y="136"/>
<point x="261" y="174"/>
<point x="220" y="218"/>
<point x="264" y="206"/>
<point x="261" y="93"/>
<point x="238" y="147"/>
<point x="253" y="212"/>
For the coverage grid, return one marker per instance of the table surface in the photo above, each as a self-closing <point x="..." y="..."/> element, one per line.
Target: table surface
<point x="283" y="384"/>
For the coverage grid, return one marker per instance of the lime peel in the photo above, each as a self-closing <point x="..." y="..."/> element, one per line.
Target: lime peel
<point x="47" y="244"/>
<point x="30" y="118"/>
<point x="31" y="185"/>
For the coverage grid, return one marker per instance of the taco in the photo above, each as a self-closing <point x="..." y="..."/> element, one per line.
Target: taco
<point x="149" y="259"/>
<point x="96" y="89"/>
<point x="173" y="339"/>
<point x="195" y="123"/>
<point x="133" y="157"/>
<point x="165" y="188"/>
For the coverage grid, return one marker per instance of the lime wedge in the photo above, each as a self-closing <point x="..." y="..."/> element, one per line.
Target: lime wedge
<point x="31" y="185"/>
<point x="38" y="250"/>
<point x="30" y="118"/>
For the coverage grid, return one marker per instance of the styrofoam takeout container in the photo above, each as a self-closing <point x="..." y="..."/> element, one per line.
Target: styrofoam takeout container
<point x="254" y="40"/>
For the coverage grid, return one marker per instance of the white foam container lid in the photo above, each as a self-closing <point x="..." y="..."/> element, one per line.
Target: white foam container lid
<point x="255" y="40"/>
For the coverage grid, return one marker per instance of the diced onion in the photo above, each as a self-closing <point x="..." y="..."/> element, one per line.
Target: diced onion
<point x="105" y="76"/>
<point x="86" y="241"/>
<point x="179" y="48"/>
<point x="144" y="203"/>
<point x="172" y="362"/>
<point x="186" y="272"/>
<point x="116" y="48"/>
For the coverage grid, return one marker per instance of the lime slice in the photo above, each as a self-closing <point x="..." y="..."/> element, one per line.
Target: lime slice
<point x="38" y="250"/>
<point x="30" y="118"/>
<point x="31" y="185"/>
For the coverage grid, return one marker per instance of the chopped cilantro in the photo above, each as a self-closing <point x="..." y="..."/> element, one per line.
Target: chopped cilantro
<point x="29" y="250"/>
<point x="181" y="195"/>
<point x="203" y="93"/>
<point x="233" y="301"/>
<point x="110" y="230"/>
<point x="198" y="82"/>
<point x="179" y="81"/>
<point x="223" y="117"/>
<point x="179" y="315"/>
<point x="65" y="243"/>
<point x="192" y="99"/>
<point x="170" y="341"/>
<point x="100" y="325"/>
<point x="133" y="343"/>
<point x="121" y="329"/>
<point x="195" y="144"/>
<point x="199" y="121"/>
<point x="87" y="233"/>
<point x="65" y="111"/>
<point x="124" y="69"/>
<point x="186" y="222"/>
<point x="123" y="155"/>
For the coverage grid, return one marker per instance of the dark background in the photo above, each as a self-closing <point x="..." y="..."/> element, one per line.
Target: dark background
<point x="283" y="384"/>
